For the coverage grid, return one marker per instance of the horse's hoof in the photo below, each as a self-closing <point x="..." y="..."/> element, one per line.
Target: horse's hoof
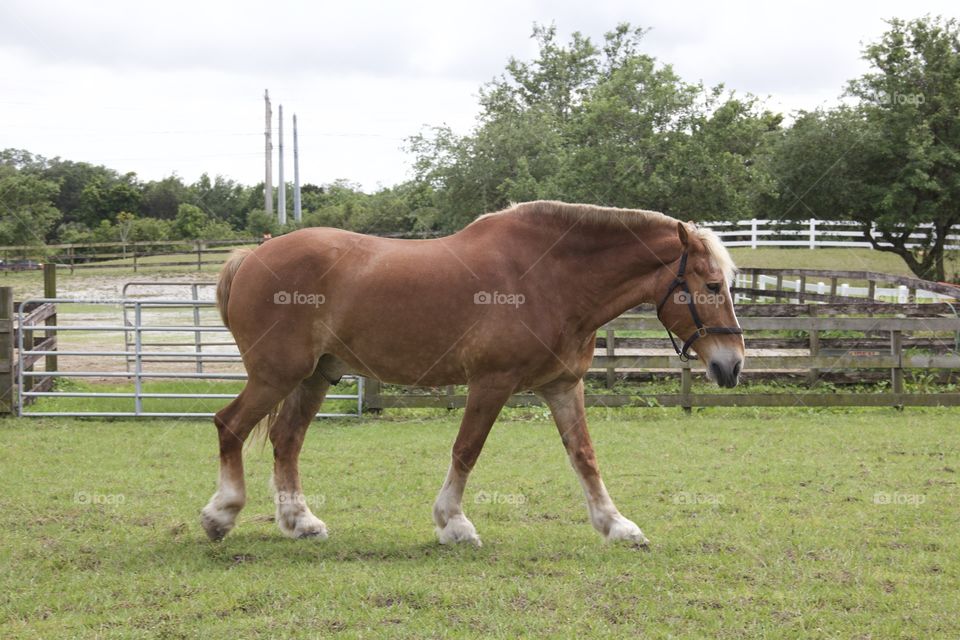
<point x="459" y="530"/>
<point x="626" y="531"/>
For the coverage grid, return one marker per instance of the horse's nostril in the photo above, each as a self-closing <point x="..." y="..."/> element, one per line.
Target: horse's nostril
<point x="716" y="371"/>
<point x="736" y="369"/>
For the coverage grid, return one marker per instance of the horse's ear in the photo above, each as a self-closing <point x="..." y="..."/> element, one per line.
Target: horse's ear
<point x="682" y="234"/>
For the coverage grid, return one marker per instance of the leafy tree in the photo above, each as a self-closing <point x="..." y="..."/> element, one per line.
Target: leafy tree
<point x="190" y="222"/>
<point x="27" y="214"/>
<point x="607" y="125"/>
<point x="259" y="223"/>
<point x="891" y="161"/>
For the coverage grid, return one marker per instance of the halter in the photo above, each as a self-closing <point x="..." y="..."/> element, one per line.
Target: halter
<point x="681" y="281"/>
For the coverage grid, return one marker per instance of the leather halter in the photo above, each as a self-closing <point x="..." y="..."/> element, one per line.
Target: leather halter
<point x="681" y="282"/>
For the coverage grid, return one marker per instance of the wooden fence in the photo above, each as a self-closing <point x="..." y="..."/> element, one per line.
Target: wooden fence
<point x="888" y="345"/>
<point x="825" y="285"/>
<point x="11" y="361"/>
<point x="116" y="255"/>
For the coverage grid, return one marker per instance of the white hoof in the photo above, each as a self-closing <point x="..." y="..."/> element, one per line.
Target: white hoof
<point x="302" y="525"/>
<point x="458" y="529"/>
<point x="624" y="530"/>
<point x="217" y="521"/>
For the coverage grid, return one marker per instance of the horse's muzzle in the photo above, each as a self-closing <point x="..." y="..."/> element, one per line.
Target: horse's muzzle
<point x="726" y="372"/>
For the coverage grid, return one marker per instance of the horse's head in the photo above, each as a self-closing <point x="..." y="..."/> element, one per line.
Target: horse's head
<point x="696" y="304"/>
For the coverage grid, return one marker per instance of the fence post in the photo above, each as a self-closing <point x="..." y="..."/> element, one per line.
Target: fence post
<point x="611" y="351"/>
<point x="814" y="337"/>
<point x="371" y="395"/>
<point x="802" y="290"/>
<point x="199" y="256"/>
<point x="872" y="290"/>
<point x="896" y="373"/>
<point x="813" y="233"/>
<point x="6" y="350"/>
<point x="753" y="233"/>
<point x="779" y="286"/>
<point x="134" y="257"/>
<point x="686" y="385"/>
<point x="50" y="291"/>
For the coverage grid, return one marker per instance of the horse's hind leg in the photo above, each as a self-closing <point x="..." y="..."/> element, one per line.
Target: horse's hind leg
<point x="287" y="434"/>
<point x="234" y="423"/>
<point x="566" y="405"/>
<point x="484" y="402"/>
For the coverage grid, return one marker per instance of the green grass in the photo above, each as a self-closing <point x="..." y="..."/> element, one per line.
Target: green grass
<point x="764" y="524"/>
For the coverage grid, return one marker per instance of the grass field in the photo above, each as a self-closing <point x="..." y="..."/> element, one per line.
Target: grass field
<point x="796" y="524"/>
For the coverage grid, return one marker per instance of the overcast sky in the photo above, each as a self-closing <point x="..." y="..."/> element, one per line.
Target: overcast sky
<point x="174" y="86"/>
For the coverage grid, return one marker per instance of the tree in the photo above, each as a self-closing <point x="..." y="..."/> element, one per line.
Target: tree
<point x="190" y="222"/>
<point x="124" y="226"/>
<point x="892" y="161"/>
<point x="27" y="214"/>
<point x="607" y="125"/>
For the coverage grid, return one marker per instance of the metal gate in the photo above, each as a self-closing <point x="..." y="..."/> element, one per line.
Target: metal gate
<point x="154" y="342"/>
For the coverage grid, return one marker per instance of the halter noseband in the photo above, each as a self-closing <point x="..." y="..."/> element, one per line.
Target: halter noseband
<point x="681" y="281"/>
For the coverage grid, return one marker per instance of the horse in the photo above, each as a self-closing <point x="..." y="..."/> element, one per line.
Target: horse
<point x="511" y="302"/>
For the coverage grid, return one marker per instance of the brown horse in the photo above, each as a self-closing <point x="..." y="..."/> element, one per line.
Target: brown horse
<point x="512" y="302"/>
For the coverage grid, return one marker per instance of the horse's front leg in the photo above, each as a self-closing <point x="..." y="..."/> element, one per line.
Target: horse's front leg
<point x="484" y="401"/>
<point x="566" y="405"/>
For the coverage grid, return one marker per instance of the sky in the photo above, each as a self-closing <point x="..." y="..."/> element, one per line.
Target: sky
<point x="177" y="87"/>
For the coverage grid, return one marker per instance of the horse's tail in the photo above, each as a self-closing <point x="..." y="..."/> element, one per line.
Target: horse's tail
<point x="226" y="279"/>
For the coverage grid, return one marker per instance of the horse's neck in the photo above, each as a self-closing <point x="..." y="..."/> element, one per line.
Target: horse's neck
<point x="604" y="271"/>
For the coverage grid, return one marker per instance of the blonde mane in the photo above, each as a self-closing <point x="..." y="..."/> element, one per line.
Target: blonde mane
<point x="614" y="217"/>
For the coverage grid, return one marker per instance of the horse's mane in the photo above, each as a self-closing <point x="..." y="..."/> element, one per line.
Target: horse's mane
<point x="614" y="217"/>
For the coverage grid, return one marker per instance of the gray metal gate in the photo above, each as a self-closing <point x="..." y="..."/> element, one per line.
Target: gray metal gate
<point x="197" y="349"/>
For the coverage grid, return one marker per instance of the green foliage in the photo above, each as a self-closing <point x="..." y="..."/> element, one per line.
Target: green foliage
<point x="190" y="221"/>
<point x="892" y="160"/>
<point x="27" y="213"/>
<point x="606" y="125"/>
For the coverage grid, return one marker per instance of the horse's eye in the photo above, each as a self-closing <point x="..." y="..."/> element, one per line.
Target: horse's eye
<point x="714" y="287"/>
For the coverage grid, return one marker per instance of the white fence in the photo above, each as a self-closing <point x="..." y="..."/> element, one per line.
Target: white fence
<point x="811" y="234"/>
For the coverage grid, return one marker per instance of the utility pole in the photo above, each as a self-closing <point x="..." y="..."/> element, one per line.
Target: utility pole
<point x="282" y="187"/>
<point x="297" y="213"/>
<point x="268" y="180"/>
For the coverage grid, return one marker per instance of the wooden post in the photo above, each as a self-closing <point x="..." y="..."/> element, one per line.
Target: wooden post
<point x="779" y="286"/>
<point x="6" y="351"/>
<point x="134" y="249"/>
<point x="814" y="337"/>
<point x="833" y="289"/>
<point x="912" y="295"/>
<point x="71" y="254"/>
<point x="611" y="351"/>
<point x="199" y="256"/>
<point x="686" y="385"/>
<point x="896" y="374"/>
<point x="753" y="285"/>
<point x="802" y="295"/>
<point x="50" y="291"/>
<point x="371" y="395"/>
<point x="872" y="290"/>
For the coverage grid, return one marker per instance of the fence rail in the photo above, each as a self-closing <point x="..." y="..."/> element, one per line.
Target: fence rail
<point x="811" y="234"/>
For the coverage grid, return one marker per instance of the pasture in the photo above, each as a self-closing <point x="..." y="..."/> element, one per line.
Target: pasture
<point x="764" y="523"/>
